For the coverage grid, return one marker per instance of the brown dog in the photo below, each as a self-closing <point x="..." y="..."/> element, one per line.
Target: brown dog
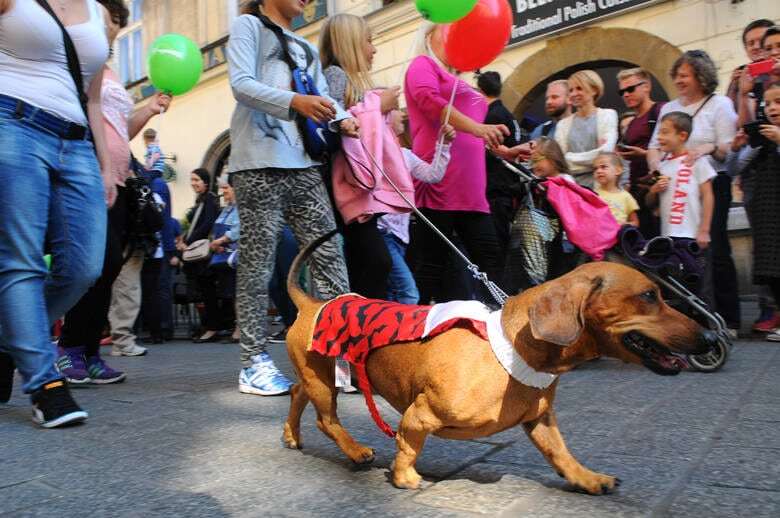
<point x="453" y="386"/>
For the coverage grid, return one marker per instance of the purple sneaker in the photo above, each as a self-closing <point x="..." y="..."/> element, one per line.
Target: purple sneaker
<point x="101" y="373"/>
<point x="72" y="365"/>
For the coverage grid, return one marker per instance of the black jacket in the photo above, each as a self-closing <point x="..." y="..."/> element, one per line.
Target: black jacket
<point x="500" y="181"/>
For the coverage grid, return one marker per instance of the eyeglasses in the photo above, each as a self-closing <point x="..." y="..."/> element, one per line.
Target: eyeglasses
<point x="630" y="89"/>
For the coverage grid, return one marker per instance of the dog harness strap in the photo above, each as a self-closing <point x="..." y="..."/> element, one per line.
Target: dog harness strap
<point x="510" y="360"/>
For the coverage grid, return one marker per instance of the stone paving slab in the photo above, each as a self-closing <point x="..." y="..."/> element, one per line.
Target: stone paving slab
<point x="177" y="439"/>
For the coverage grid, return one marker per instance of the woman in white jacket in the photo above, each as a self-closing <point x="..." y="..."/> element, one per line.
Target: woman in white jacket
<point x="590" y="130"/>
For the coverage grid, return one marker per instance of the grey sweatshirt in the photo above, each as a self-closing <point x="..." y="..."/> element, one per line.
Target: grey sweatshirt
<point x="263" y="133"/>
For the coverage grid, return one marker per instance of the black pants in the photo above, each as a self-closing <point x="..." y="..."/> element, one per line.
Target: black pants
<point x="368" y="261"/>
<point x="502" y="209"/>
<point x="151" y="307"/>
<point x="478" y="234"/>
<point x="85" y="321"/>
<point x="218" y="288"/>
<point x="165" y="295"/>
<point x="724" y="273"/>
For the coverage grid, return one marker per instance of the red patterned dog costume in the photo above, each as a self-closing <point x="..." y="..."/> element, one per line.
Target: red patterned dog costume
<point x="351" y="326"/>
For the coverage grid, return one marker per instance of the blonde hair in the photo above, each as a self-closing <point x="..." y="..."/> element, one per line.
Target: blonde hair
<point x="631" y="72"/>
<point x="590" y="80"/>
<point x="550" y="149"/>
<point x="613" y="158"/>
<point x="341" y="44"/>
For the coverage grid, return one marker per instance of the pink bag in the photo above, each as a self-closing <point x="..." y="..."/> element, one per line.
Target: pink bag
<point x="586" y="218"/>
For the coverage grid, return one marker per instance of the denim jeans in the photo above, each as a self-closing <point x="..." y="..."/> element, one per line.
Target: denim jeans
<point x="286" y="250"/>
<point x="51" y="193"/>
<point x="400" y="283"/>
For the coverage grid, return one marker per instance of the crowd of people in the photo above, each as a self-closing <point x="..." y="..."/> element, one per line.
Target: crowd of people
<point x="106" y="219"/>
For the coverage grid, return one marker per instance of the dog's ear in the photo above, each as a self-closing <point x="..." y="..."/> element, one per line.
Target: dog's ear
<point x="557" y="315"/>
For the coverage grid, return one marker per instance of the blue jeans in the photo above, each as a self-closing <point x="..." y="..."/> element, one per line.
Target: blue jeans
<point x="286" y="250"/>
<point x="400" y="283"/>
<point x="51" y="193"/>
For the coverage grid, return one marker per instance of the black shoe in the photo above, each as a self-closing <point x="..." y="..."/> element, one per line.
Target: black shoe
<point x="6" y="377"/>
<point x="53" y="406"/>
<point x="279" y="337"/>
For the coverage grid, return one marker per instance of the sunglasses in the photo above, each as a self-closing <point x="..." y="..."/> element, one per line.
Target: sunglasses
<point x="630" y="89"/>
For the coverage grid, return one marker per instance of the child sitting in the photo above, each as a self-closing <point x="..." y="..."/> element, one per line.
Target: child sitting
<point x="607" y="169"/>
<point x="401" y="286"/>
<point x="686" y="208"/>
<point x="547" y="160"/>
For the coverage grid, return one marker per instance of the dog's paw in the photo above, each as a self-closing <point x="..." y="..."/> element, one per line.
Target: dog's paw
<point x="364" y="456"/>
<point x="291" y="440"/>
<point x="597" y="484"/>
<point x="407" y="479"/>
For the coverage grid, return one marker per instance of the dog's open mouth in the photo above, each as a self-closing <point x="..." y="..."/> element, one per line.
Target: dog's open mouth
<point x="654" y="356"/>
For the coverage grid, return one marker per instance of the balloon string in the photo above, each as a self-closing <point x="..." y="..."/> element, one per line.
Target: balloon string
<point x="440" y="140"/>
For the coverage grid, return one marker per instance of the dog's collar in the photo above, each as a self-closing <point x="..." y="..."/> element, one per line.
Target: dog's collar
<point x="508" y="357"/>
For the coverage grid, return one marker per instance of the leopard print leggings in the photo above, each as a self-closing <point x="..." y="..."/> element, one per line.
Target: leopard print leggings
<point x="266" y="200"/>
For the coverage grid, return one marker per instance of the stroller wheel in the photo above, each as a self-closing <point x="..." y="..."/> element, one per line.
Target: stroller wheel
<point x="713" y="360"/>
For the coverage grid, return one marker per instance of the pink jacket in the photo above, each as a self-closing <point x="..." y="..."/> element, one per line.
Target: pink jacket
<point x="359" y="188"/>
<point x="588" y="222"/>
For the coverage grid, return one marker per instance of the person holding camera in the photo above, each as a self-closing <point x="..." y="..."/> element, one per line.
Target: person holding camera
<point x="760" y="154"/>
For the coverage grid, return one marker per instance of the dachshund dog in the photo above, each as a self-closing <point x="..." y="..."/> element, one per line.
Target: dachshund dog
<point x="453" y="385"/>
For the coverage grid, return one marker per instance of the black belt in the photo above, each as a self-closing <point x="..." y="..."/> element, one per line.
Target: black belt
<point x="64" y="129"/>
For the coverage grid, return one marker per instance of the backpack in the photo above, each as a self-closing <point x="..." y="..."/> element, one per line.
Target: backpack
<point x="145" y="216"/>
<point x="318" y="140"/>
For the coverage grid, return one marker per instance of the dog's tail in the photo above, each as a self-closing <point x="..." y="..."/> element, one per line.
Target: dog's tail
<point x="298" y="296"/>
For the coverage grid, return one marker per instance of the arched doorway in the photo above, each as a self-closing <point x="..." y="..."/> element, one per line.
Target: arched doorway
<point x="612" y="47"/>
<point x="216" y="158"/>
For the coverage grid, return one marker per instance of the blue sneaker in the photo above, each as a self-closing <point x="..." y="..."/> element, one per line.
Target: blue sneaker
<point x="263" y="378"/>
<point x="73" y="365"/>
<point x="102" y="374"/>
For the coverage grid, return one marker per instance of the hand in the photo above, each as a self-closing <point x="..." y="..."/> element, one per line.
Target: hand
<point x="449" y="133"/>
<point x="174" y="261"/>
<point x="520" y="152"/>
<point x="217" y="246"/>
<point x="736" y="74"/>
<point x="314" y="107"/>
<point x="492" y="134"/>
<point x="740" y="140"/>
<point x="181" y="246"/>
<point x="771" y="132"/>
<point x="629" y="152"/>
<point x="661" y="185"/>
<point x="389" y="99"/>
<point x="746" y="83"/>
<point x="697" y="152"/>
<point x="350" y="128"/>
<point x="109" y="188"/>
<point x="703" y="238"/>
<point x="160" y="103"/>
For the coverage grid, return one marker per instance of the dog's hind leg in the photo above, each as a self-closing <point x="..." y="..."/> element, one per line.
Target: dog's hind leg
<point x="292" y="428"/>
<point x="322" y="391"/>
<point x="416" y="424"/>
<point x="545" y="435"/>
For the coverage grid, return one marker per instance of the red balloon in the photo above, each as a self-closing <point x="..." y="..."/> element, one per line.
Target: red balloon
<point x="476" y="40"/>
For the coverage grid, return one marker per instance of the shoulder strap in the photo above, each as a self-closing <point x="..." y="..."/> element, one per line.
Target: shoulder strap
<point x="547" y="128"/>
<point x="73" y="59"/>
<point x="194" y="221"/>
<point x="279" y="32"/>
<point x="702" y="105"/>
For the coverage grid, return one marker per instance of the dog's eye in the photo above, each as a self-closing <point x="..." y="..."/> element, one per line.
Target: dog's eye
<point x="649" y="296"/>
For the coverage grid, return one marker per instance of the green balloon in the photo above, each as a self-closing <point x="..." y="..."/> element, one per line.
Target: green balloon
<point x="174" y="63"/>
<point x="444" y="11"/>
<point x="47" y="260"/>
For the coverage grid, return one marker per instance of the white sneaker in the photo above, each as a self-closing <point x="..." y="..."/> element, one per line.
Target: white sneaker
<point x="774" y="336"/>
<point x="128" y="350"/>
<point x="263" y="378"/>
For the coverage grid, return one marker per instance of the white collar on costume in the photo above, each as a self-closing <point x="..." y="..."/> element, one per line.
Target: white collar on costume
<point x="508" y="357"/>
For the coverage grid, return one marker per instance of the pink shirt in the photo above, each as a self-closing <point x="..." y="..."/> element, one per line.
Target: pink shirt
<point x="428" y="90"/>
<point x="117" y="106"/>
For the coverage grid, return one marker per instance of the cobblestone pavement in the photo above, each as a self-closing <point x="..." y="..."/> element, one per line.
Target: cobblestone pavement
<point x="177" y="439"/>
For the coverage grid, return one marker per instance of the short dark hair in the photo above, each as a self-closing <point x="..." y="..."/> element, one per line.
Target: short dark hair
<point x="761" y="23"/>
<point x="490" y="83"/>
<point x="117" y="10"/>
<point x="681" y="121"/>
<point x="252" y="7"/>
<point x="772" y="31"/>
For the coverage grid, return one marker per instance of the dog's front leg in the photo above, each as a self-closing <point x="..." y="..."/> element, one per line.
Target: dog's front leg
<point x="545" y="435"/>
<point x="417" y="422"/>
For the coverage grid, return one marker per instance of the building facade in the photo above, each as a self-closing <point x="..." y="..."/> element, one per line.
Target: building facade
<point x="550" y="39"/>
